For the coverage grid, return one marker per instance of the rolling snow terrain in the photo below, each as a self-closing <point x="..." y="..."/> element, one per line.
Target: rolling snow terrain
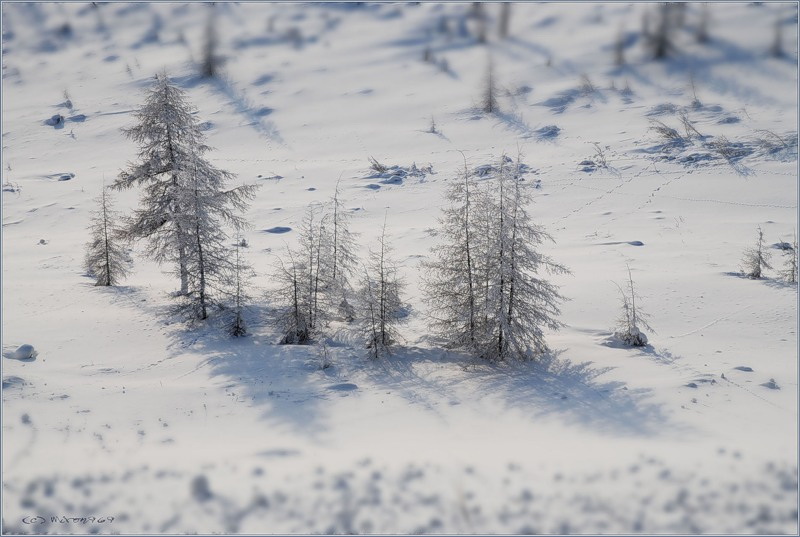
<point x="126" y="414"/>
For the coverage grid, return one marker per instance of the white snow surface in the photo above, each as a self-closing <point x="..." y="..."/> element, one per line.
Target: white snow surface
<point x="131" y="414"/>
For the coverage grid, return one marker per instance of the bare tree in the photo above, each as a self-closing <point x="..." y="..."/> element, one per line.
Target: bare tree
<point x="485" y="287"/>
<point x="632" y="319"/>
<point x="489" y="102"/>
<point x="211" y="61"/>
<point x="106" y="258"/>
<point x="789" y="272"/>
<point x="339" y="259"/>
<point x="619" y="48"/>
<point x="312" y="232"/>
<point x="242" y="273"/>
<point x="432" y="128"/>
<point x="450" y="279"/>
<point x="756" y="258"/>
<point x="522" y="304"/>
<point x="304" y="310"/>
<point x="505" y="19"/>
<point x="292" y="318"/>
<point x="661" y="40"/>
<point x="646" y="25"/>
<point x="478" y="12"/>
<point x="211" y="209"/>
<point x="381" y="306"/>
<point x="702" y="25"/>
<point x="777" y="44"/>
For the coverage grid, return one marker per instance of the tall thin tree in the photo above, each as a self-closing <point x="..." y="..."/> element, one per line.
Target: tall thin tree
<point x="489" y="102"/>
<point x="789" y="272"/>
<point x="522" y="303"/>
<point x="632" y="319"/>
<point x="382" y="308"/>
<point x="292" y="318"/>
<point x="450" y="279"/>
<point x="505" y="19"/>
<point x="777" y="43"/>
<point x="211" y="60"/>
<point x="239" y="291"/>
<point x="339" y="259"/>
<point x="661" y="40"/>
<point x="756" y="258"/>
<point x="212" y="210"/>
<point x="106" y="258"/>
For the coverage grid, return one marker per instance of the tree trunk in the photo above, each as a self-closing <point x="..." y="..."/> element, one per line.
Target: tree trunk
<point x="182" y="260"/>
<point x="502" y="259"/>
<point x="105" y="238"/>
<point x="469" y="259"/>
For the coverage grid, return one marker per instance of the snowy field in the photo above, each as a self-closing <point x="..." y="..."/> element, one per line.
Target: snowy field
<point x="130" y="416"/>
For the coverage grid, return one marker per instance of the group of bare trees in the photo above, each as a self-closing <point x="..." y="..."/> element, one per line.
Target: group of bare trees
<point x="315" y="274"/>
<point x="661" y="24"/>
<point x="321" y="282"/>
<point x="756" y="259"/>
<point x="485" y="286"/>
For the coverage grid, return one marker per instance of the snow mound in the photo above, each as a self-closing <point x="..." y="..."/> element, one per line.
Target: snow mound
<point x="771" y="384"/>
<point x="13" y="382"/>
<point x="634" y="337"/>
<point x="24" y="352"/>
<point x="56" y="121"/>
<point x="396" y="175"/>
<point x="548" y="132"/>
<point x="343" y="387"/>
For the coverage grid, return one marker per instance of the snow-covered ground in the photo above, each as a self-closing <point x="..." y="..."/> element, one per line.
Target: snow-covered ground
<point x="127" y="413"/>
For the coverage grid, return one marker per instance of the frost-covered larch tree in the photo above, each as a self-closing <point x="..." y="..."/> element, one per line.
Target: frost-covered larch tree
<point x="211" y="209"/>
<point x="339" y="259"/>
<point x="632" y="319"/>
<point x="169" y="137"/>
<point x="789" y="272"/>
<point x="381" y="307"/>
<point x="315" y="275"/>
<point x="239" y="286"/>
<point x="303" y="308"/>
<point x="450" y="279"/>
<point x="292" y="313"/>
<point x="485" y="286"/>
<point x="522" y="304"/>
<point x="106" y="257"/>
<point x="756" y="258"/>
<point x="184" y="203"/>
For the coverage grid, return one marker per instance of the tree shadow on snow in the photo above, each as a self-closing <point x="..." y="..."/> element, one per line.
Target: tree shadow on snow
<point x="547" y="387"/>
<point x="573" y="391"/>
<point x="286" y="381"/>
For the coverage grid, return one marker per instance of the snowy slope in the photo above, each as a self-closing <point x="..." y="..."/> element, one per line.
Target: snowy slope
<point x="127" y="413"/>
